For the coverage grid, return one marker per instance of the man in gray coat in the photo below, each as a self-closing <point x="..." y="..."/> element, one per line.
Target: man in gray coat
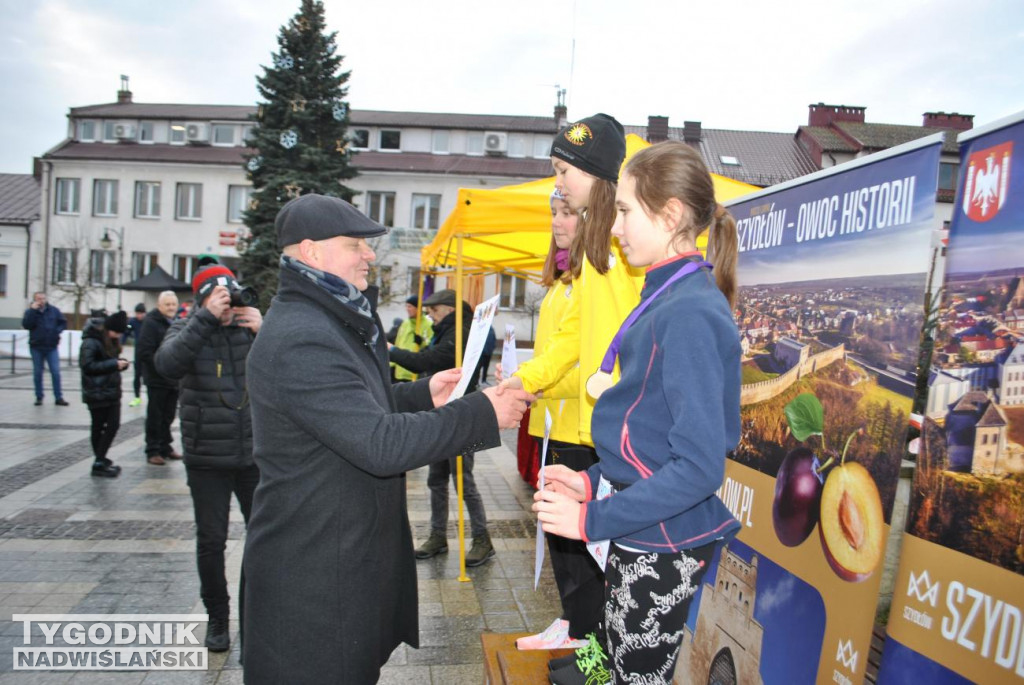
<point x="329" y="567"/>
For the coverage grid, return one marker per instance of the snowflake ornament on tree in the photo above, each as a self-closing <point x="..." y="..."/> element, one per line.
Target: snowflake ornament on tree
<point x="289" y="139"/>
<point x="339" y="111"/>
<point x="254" y="163"/>
<point x="284" y="62"/>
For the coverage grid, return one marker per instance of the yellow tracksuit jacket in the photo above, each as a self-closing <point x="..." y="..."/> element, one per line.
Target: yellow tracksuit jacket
<point x="597" y="307"/>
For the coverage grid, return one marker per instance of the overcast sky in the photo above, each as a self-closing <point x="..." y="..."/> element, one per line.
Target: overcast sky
<point x="731" y="65"/>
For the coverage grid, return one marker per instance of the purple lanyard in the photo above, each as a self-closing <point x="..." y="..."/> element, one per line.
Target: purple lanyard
<point x="613" y="350"/>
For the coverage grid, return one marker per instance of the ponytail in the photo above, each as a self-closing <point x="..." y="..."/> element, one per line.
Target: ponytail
<point x="723" y="252"/>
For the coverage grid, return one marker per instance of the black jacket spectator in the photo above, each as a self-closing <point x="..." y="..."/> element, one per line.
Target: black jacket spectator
<point x="440" y="354"/>
<point x="101" y="379"/>
<point x="44" y="326"/>
<point x="154" y="328"/>
<point x="209" y="361"/>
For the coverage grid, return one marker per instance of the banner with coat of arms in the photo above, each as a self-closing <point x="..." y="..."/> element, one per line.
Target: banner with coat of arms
<point x="958" y="607"/>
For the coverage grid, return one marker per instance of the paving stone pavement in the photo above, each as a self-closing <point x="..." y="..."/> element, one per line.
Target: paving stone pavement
<point x="70" y="543"/>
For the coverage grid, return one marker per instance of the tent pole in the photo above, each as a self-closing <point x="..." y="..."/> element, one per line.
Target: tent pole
<point x="463" y="578"/>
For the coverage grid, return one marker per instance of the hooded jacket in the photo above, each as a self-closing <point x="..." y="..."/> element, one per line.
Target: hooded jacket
<point x="101" y="379"/>
<point x="208" y="359"/>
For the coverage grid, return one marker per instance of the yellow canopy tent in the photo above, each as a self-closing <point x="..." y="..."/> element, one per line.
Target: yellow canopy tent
<point x="508" y="229"/>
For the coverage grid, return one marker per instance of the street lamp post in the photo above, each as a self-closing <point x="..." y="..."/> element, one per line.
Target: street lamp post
<point x="106" y="243"/>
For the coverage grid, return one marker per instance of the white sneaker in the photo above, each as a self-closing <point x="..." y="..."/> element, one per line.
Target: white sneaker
<point x="552" y="637"/>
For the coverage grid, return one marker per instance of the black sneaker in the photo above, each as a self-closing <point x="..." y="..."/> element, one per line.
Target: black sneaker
<point x="588" y="652"/>
<point x="61" y="402"/>
<point x="101" y="470"/>
<point x="586" y="666"/>
<point x="217" y="639"/>
<point x="39" y="401"/>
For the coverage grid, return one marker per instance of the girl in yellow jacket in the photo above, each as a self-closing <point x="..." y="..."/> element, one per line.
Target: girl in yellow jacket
<point x="586" y="156"/>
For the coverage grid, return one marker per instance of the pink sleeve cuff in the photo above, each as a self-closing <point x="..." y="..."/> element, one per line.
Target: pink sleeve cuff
<point x="583" y="522"/>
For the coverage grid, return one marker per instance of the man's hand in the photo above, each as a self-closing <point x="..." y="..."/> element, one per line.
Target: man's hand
<point x="512" y="383"/>
<point x="560" y="478"/>
<point x="247" y="317"/>
<point x="441" y="385"/>
<point x="122" y="364"/>
<point x="509" y="405"/>
<point x="559" y="513"/>
<point x="35" y="305"/>
<point x="218" y="302"/>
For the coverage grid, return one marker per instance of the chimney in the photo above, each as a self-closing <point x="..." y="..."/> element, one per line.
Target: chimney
<point x="691" y="131"/>
<point x="657" y="129"/>
<point x="561" y="111"/>
<point x="124" y="96"/>
<point x="953" y="120"/>
<point x="825" y="115"/>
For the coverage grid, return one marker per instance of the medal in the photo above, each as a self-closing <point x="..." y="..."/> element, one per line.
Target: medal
<point x="598" y="382"/>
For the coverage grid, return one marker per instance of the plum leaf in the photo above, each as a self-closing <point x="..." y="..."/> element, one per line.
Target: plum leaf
<point x="805" y="416"/>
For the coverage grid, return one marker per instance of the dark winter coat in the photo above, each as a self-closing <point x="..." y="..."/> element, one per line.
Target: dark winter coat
<point x="208" y="360"/>
<point x="101" y="379"/>
<point x="153" y="329"/>
<point x="44" y="326"/>
<point x="329" y="568"/>
<point x="440" y="354"/>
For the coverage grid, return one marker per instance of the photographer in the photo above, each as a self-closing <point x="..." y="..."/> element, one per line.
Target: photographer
<point x="206" y="352"/>
<point x="101" y="364"/>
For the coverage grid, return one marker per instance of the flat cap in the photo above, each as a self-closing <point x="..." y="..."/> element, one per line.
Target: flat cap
<point x="446" y="297"/>
<point x="319" y="217"/>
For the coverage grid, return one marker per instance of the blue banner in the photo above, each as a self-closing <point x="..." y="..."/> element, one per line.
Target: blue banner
<point x="958" y="605"/>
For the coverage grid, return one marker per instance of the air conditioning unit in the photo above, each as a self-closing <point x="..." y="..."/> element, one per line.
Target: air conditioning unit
<point x="495" y="142"/>
<point x="197" y="133"/>
<point x="124" y="131"/>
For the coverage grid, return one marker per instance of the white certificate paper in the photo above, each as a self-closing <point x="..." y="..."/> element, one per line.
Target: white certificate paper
<point x="482" y="318"/>
<point x="509" y="360"/>
<point x="539" y="558"/>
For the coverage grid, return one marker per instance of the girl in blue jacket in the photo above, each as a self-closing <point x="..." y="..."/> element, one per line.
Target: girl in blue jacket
<point x="663" y="431"/>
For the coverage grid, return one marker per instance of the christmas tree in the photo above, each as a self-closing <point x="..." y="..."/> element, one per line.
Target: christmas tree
<point x="300" y="138"/>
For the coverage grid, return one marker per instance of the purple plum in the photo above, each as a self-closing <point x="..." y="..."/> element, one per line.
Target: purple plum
<point x="797" y="503"/>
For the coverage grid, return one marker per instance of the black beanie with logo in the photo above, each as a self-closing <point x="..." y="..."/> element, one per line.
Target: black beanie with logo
<point x="596" y="144"/>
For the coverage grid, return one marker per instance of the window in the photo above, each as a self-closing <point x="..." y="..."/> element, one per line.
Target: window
<point x="541" y="146"/>
<point x="380" y="276"/>
<point x="381" y="208"/>
<point x="146" y="132"/>
<point x="142" y="263"/>
<point x="178" y="133"/>
<point x="517" y="145"/>
<point x="513" y="292"/>
<point x="439" y="142"/>
<point x="947" y="175"/>
<point x="425" y="211"/>
<point x="87" y="130"/>
<point x="475" y="143"/>
<point x="185" y="267"/>
<point x="147" y="199"/>
<point x="102" y="267"/>
<point x="223" y="134"/>
<point x="390" y="140"/>
<point x="104" y="197"/>
<point x="238" y="202"/>
<point x="3" y="280"/>
<point x="360" y="138"/>
<point x="67" y="195"/>
<point x="189" y="204"/>
<point x="413" y="277"/>
<point x="729" y="160"/>
<point x="65" y="265"/>
<point x="108" y="131"/>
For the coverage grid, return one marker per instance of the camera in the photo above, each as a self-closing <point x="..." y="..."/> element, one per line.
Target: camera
<point x="243" y="296"/>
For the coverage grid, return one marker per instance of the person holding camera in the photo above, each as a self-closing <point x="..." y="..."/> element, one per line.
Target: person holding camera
<point x="206" y="353"/>
<point x="101" y="365"/>
<point x="45" y="323"/>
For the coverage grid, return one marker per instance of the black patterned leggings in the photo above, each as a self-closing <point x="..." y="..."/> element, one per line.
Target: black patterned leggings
<point x="647" y="598"/>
